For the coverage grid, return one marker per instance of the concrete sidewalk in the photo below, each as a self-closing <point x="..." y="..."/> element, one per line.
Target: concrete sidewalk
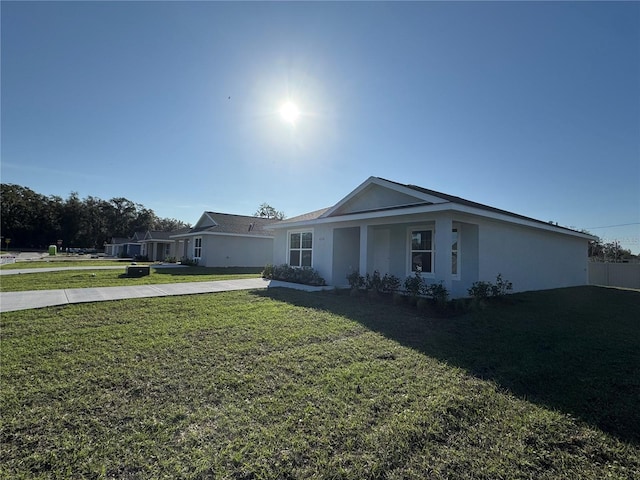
<point x="12" y="301"/>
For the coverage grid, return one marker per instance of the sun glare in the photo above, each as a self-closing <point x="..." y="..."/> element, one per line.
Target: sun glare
<point x="289" y="112"/>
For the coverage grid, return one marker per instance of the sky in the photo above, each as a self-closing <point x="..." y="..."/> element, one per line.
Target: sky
<point x="532" y="107"/>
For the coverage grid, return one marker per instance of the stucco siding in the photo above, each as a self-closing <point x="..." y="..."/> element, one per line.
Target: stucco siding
<point x="375" y="197"/>
<point x="346" y="247"/>
<point x="531" y="259"/>
<point x="235" y="251"/>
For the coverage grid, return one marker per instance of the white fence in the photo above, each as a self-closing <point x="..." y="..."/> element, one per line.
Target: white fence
<point x="5" y="259"/>
<point x="626" y="275"/>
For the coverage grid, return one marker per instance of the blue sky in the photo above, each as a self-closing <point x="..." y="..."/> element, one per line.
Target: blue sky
<point x="529" y="107"/>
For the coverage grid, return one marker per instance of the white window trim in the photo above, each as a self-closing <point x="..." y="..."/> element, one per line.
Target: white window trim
<point x="456" y="276"/>
<point x="313" y="242"/>
<point x="412" y="229"/>
<point x="195" y="241"/>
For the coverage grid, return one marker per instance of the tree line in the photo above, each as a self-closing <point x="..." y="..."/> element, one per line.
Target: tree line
<point x="33" y="220"/>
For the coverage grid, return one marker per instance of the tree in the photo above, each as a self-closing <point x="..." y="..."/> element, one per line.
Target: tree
<point x="267" y="211"/>
<point x="32" y="220"/>
<point x="169" y="225"/>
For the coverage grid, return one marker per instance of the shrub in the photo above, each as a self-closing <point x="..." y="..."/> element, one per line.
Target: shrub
<point x="438" y="292"/>
<point x="170" y="260"/>
<point x="483" y="290"/>
<point x="502" y="287"/>
<point x="480" y="289"/>
<point x="267" y="271"/>
<point x="356" y="281"/>
<point x="190" y="262"/>
<point x="390" y="283"/>
<point x="374" y="282"/>
<point x="287" y="273"/>
<point x="414" y="285"/>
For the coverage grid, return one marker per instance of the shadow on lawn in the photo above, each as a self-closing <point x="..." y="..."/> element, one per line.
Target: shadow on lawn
<point x="576" y="350"/>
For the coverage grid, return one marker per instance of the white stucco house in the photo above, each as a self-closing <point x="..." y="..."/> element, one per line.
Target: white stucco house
<point x="158" y="246"/>
<point x="227" y="240"/>
<point x="400" y="229"/>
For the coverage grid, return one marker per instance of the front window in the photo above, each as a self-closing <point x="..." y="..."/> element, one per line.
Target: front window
<point x="454" y="251"/>
<point x="197" y="247"/>
<point x="300" y="249"/>
<point x="422" y="251"/>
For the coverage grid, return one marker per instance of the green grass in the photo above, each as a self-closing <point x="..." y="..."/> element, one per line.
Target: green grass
<point x="286" y="384"/>
<point x="114" y="278"/>
<point x="67" y="263"/>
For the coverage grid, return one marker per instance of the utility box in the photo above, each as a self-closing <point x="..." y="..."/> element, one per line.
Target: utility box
<point x="138" y="270"/>
<point x="53" y="249"/>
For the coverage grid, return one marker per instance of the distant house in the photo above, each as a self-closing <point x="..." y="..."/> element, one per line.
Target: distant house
<point x="226" y="240"/>
<point x="402" y="229"/>
<point x="159" y="246"/>
<point x="124" y="247"/>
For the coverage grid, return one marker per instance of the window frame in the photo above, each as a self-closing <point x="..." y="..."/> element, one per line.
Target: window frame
<point x="197" y="249"/>
<point x="299" y="249"/>
<point x="410" y="250"/>
<point x="456" y="276"/>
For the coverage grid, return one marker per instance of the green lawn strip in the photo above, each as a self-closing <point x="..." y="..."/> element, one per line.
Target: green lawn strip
<point x="115" y="278"/>
<point x="67" y="263"/>
<point x="277" y="384"/>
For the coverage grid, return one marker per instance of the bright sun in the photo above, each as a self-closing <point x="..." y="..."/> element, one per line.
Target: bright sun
<point x="289" y="112"/>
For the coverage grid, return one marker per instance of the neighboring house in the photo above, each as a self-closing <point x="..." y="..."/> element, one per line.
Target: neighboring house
<point x="124" y="247"/>
<point x="158" y="246"/>
<point x="401" y="229"/>
<point x="226" y="240"/>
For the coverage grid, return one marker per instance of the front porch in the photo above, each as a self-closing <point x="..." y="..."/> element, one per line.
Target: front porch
<point x="442" y="248"/>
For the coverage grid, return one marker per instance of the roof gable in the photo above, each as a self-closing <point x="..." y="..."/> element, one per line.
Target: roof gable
<point x="380" y="194"/>
<point x="205" y="220"/>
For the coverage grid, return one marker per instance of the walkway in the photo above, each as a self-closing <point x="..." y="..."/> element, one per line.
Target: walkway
<point x="12" y="301"/>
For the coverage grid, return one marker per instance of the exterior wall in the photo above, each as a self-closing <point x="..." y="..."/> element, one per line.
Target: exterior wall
<point x="234" y="251"/>
<point x="346" y="257"/>
<point x="529" y="258"/>
<point x="376" y="197"/>
<point x="468" y="259"/>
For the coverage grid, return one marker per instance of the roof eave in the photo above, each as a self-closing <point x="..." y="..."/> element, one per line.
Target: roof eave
<point x="434" y="208"/>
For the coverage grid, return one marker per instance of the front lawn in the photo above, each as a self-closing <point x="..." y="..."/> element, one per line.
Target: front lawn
<point x="287" y="384"/>
<point x="117" y="278"/>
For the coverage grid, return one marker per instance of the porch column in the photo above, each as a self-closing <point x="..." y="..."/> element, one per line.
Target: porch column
<point x="442" y="242"/>
<point x="364" y="241"/>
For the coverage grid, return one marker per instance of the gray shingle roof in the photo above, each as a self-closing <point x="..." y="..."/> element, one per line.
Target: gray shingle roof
<point x="237" y="224"/>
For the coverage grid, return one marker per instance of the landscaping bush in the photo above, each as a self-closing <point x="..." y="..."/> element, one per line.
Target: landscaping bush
<point x="482" y="290"/>
<point x="287" y="273"/>
<point x="390" y="283"/>
<point x="190" y="262"/>
<point x="438" y="293"/>
<point x="501" y="288"/>
<point x="374" y="282"/>
<point x="356" y="281"/>
<point x="414" y="286"/>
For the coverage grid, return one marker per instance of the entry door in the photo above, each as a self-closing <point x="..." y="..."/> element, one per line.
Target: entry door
<point x="380" y="251"/>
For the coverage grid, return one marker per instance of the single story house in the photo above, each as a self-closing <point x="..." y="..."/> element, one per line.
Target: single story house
<point x="158" y="246"/>
<point x="227" y="240"/>
<point x="402" y="229"/>
<point x="124" y="247"/>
